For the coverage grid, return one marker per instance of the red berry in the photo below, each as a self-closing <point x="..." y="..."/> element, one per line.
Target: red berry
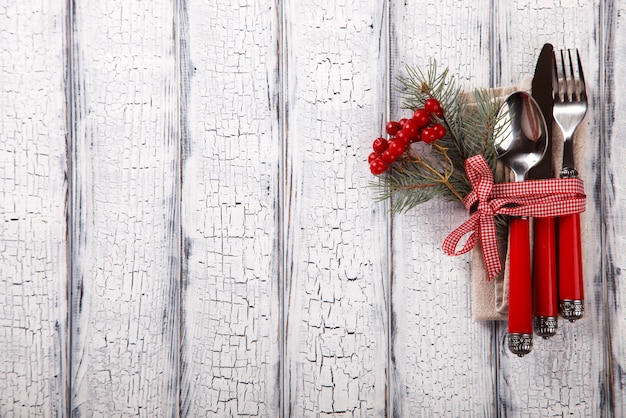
<point x="439" y="130"/>
<point x="392" y="128"/>
<point x="402" y="121"/>
<point x="428" y="135"/>
<point x="379" y="145"/>
<point x="387" y="157"/>
<point x="432" y="106"/>
<point x="372" y="157"/>
<point x="411" y="128"/>
<point x="421" y="117"/>
<point x="439" y="113"/>
<point x="396" y="148"/>
<point x="403" y="137"/>
<point x="409" y="124"/>
<point x="418" y="136"/>
<point x="378" y="166"/>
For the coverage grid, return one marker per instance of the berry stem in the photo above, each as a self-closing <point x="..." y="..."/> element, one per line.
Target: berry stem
<point x="439" y="177"/>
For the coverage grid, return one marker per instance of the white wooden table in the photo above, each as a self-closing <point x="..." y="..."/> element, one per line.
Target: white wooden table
<point x="187" y="227"/>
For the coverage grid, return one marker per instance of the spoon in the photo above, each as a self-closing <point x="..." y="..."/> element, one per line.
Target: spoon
<point x="522" y="145"/>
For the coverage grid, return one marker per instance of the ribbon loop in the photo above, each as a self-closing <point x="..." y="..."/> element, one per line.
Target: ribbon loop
<point x="534" y="198"/>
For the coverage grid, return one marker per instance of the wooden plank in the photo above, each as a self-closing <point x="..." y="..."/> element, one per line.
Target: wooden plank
<point x="443" y="359"/>
<point x="564" y="374"/>
<point x="126" y="238"/>
<point x="33" y="231"/>
<point x="612" y="107"/>
<point x="230" y="218"/>
<point x="33" y="317"/>
<point x="336" y="237"/>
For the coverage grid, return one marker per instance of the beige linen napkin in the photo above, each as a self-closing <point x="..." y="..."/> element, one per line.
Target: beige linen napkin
<point x="490" y="299"/>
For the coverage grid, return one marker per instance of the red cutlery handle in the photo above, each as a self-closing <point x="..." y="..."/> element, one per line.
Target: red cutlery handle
<point x="520" y="287"/>
<point x="571" y="288"/>
<point x="545" y="305"/>
<point x="544" y="268"/>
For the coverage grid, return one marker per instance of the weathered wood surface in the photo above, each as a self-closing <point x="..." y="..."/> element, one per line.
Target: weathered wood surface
<point x="612" y="200"/>
<point x="231" y="293"/>
<point x="124" y="217"/>
<point x="335" y="248"/>
<point x="33" y="253"/>
<point x="188" y="228"/>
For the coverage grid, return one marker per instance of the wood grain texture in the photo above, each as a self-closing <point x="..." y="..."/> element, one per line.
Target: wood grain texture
<point x="443" y="360"/>
<point x="612" y="59"/>
<point x="564" y="374"/>
<point x="222" y="252"/>
<point x="336" y="240"/>
<point x="126" y="193"/>
<point x="33" y="193"/>
<point x="231" y="300"/>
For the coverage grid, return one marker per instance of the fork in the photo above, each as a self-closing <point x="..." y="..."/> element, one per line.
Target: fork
<point x="570" y="107"/>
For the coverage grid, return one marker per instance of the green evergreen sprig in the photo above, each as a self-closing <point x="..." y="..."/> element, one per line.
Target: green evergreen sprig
<point x="437" y="170"/>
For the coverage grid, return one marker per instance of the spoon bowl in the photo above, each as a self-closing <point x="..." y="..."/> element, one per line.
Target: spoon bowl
<point x="524" y="138"/>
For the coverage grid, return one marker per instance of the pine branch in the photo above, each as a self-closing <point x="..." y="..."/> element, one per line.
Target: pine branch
<point x="438" y="170"/>
<point x="408" y="185"/>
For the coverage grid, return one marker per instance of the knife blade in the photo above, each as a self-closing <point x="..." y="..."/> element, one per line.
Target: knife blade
<point x="542" y="93"/>
<point x="545" y="305"/>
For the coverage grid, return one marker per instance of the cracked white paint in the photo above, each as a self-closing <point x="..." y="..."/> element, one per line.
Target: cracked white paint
<point x="231" y="305"/>
<point x="33" y="277"/>
<point x="126" y="233"/>
<point x="227" y="257"/>
<point x="614" y="199"/>
<point x="336" y="354"/>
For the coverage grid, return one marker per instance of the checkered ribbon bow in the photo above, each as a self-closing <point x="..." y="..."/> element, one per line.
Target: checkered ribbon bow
<point x="534" y="198"/>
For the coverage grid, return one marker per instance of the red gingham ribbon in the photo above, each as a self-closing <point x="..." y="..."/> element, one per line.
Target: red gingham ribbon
<point x="535" y="198"/>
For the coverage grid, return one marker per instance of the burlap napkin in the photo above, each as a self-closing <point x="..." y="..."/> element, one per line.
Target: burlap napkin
<point x="490" y="299"/>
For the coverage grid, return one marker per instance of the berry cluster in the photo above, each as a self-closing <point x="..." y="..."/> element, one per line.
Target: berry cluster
<point x="422" y="127"/>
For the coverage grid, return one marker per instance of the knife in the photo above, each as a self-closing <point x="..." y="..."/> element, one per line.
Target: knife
<point x="545" y="306"/>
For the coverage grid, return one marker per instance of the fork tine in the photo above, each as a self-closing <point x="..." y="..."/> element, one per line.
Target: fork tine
<point x="583" y="88"/>
<point x="575" y="91"/>
<point x="567" y="94"/>
<point x="571" y="69"/>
